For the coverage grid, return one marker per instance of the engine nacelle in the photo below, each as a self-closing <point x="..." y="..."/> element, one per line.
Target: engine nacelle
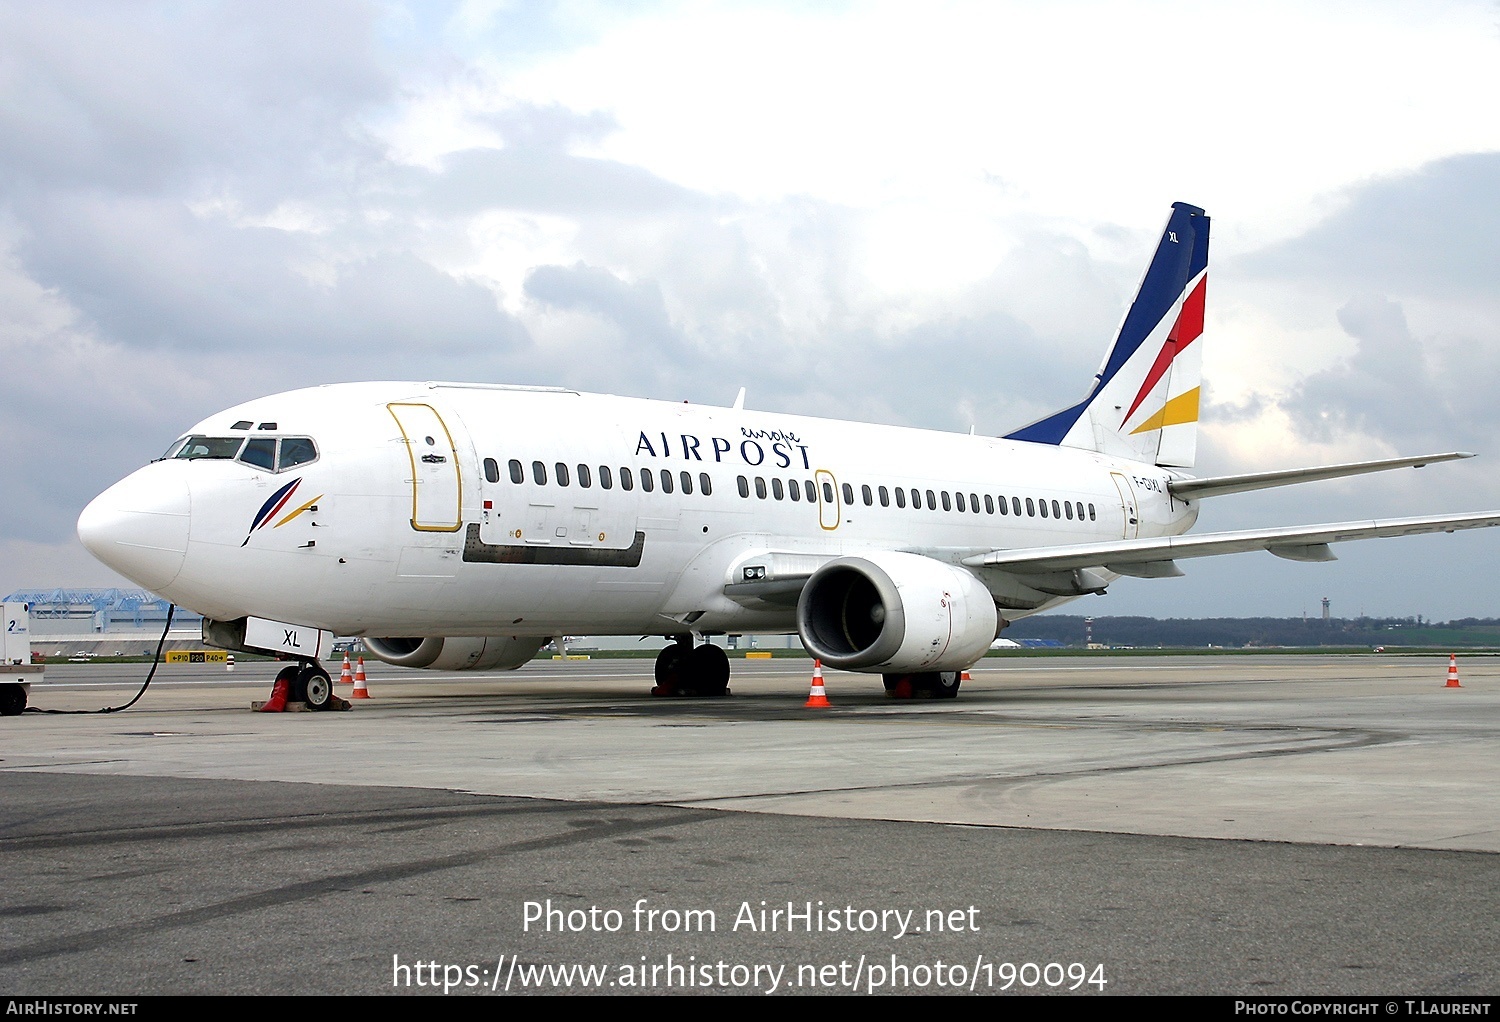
<point x="896" y="613"/>
<point x="464" y="653"/>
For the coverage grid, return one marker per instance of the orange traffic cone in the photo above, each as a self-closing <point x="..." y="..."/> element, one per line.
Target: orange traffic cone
<point x="965" y="677"/>
<point x="345" y="676"/>
<point x="1453" y="671"/>
<point x="279" y="692"/>
<point x="817" y="697"/>
<point x="229" y="662"/>
<point x="361" y="689"/>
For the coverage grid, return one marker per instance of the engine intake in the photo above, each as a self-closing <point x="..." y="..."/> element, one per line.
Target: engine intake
<point x="896" y="613"/>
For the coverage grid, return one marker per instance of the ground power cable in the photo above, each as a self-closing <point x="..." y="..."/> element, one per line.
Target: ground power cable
<point x="155" y="663"/>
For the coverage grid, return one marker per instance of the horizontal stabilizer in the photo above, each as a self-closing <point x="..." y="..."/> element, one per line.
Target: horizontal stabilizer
<point x="1216" y="486"/>
<point x="1302" y="542"/>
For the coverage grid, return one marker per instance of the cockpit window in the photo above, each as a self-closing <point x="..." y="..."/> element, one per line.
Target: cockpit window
<point x="296" y="450"/>
<point x="260" y="452"/>
<point x="211" y="447"/>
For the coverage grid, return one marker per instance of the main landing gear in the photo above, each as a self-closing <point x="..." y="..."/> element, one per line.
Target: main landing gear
<point x="683" y="669"/>
<point x="932" y="685"/>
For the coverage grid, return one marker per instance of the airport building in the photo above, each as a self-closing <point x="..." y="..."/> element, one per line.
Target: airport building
<point x="104" y="622"/>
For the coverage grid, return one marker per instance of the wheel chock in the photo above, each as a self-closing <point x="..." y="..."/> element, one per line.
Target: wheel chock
<point x="277" y="702"/>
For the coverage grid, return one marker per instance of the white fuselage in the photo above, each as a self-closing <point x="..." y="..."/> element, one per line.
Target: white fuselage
<point x="404" y="529"/>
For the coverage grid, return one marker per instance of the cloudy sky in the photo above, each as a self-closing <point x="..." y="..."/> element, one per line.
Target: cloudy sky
<point x="931" y="215"/>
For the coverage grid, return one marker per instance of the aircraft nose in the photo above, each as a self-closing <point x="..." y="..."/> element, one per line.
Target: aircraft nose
<point x="139" y="526"/>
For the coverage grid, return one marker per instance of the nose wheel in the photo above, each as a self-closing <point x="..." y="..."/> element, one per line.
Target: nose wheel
<point x="316" y="686"/>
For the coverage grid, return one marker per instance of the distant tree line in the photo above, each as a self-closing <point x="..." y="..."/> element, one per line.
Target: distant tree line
<point x="1260" y="631"/>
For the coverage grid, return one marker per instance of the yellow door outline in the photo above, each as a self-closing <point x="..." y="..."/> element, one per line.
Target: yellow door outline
<point x="822" y="477"/>
<point x="1130" y="526"/>
<point x="416" y="475"/>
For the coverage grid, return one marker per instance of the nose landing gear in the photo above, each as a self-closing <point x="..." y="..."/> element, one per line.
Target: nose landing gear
<point x="304" y="686"/>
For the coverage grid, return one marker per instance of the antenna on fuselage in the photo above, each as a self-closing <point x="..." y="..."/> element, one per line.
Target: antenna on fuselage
<point x="739" y="402"/>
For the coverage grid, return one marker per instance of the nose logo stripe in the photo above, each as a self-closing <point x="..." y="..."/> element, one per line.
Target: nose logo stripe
<point x="274" y="504"/>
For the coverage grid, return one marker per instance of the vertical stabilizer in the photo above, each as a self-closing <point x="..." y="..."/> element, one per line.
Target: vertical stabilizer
<point x="1144" y="401"/>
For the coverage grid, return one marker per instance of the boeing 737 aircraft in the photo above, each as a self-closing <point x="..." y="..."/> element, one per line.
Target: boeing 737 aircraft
<point x="459" y="526"/>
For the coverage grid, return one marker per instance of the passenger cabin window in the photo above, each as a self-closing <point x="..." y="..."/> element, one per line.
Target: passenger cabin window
<point x="605" y="479"/>
<point x="989" y="505"/>
<point x="864" y="491"/>
<point x="627" y="481"/>
<point x="795" y="489"/>
<point x="885" y="500"/>
<point x="1030" y="509"/>
<point x="585" y="478"/>
<point x="491" y="470"/>
<point x="827" y="493"/>
<point x="900" y="497"/>
<point x="947" y="501"/>
<point x="744" y="485"/>
<point x="705" y="486"/>
<point x="1042" y="507"/>
<point x="687" y="482"/>
<point x="777" y="490"/>
<point x="812" y="494"/>
<point x="562" y="474"/>
<point x="1015" y="505"/>
<point x="1056" y="510"/>
<point x="648" y="481"/>
<point x="760" y="487"/>
<point x="974" y="502"/>
<point x="539" y="473"/>
<point x="849" y="494"/>
<point x="517" y="473"/>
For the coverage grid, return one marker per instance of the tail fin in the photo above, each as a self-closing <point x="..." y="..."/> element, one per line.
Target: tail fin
<point x="1144" y="402"/>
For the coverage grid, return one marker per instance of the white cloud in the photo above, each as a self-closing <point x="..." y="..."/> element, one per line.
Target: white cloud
<point x="931" y="215"/>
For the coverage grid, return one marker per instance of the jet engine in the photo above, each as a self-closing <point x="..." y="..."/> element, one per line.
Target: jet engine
<point x="464" y="653"/>
<point x="896" y="613"/>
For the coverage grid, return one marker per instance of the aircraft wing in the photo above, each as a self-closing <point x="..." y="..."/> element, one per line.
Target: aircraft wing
<point x="1153" y="558"/>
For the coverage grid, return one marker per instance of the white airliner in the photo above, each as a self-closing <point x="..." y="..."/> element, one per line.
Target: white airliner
<point x="460" y="526"/>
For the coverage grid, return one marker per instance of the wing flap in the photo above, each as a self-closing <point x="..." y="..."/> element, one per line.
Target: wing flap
<point x="1302" y="542"/>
